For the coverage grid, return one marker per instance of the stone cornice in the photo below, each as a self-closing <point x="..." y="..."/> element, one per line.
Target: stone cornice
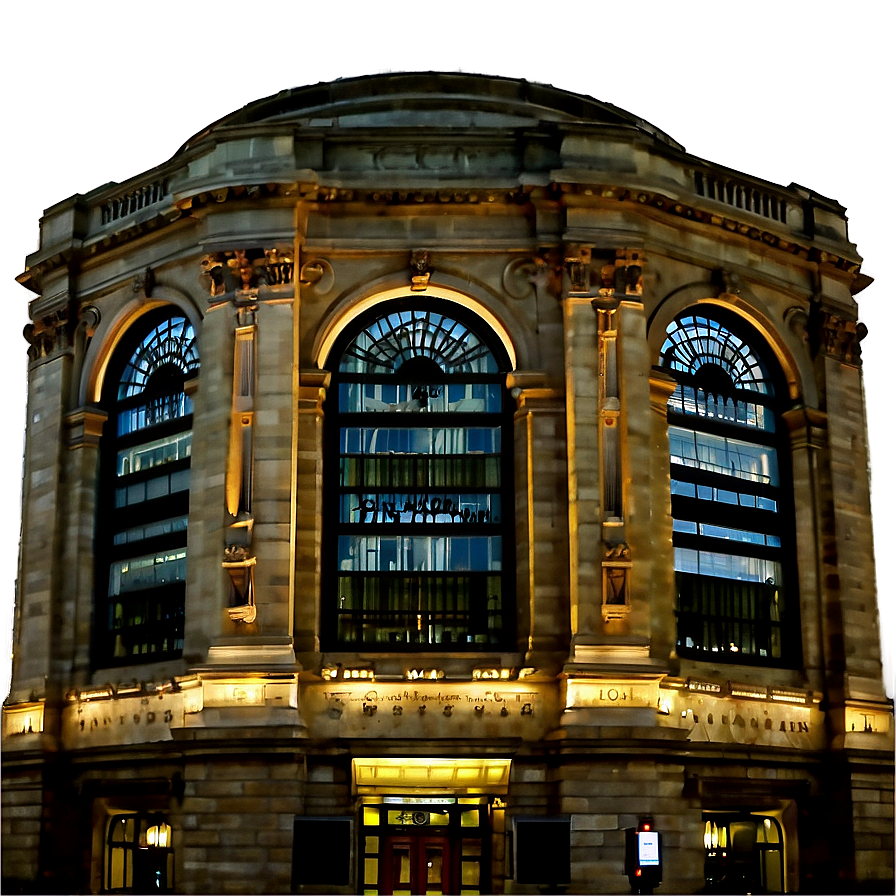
<point x="695" y="209"/>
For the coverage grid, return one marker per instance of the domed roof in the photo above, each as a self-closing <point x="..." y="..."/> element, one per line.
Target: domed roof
<point x="430" y="99"/>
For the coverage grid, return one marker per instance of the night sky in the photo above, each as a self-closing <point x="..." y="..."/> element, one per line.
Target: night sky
<point x="98" y="92"/>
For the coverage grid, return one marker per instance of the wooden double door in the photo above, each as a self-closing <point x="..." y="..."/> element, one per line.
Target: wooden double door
<point x="418" y="864"/>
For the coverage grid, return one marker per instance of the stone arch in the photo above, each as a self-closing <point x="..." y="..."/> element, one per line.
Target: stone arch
<point x="785" y="339"/>
<point x="355" y="303"/>
<point x="109" y="332"/>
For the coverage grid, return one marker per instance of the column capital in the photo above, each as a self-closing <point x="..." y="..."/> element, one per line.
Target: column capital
<point x="312" y="391"/>
<point x="662" y="385"/>
<point x="808" y="427"/>
<point x="84" y="427"/>
<point x="532" y="392"/>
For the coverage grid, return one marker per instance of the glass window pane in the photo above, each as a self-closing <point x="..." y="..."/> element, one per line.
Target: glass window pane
<point x="470" y="873"/>
<point x="419" y="553"/>
<point x="469" y="818"/>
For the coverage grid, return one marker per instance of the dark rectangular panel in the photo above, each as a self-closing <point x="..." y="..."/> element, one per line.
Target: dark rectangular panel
<point x="541" y="850"/>
<point x="321" y="851"/>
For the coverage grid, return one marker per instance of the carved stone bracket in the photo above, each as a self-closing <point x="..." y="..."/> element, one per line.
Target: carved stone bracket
<point x="419" y="264"/>
<point x="248" y="276"/>
<point x="839" y="337"/>
<point x="48" y="335"/>
<point x="623" y="277"/>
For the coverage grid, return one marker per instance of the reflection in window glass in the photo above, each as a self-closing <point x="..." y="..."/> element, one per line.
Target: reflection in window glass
<point x="391" y="507"/>
<point x="720" y="454"/>
<point x="153" y="454"/>
<point x="419" y="553"/>
<point x="727" y="566"/>
<point x="151" y="571"/>
<point x="392" y="440"/>
<point x="448" y="398"/>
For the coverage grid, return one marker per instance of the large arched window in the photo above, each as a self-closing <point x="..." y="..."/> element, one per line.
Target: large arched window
<point x="418" y="484"/>
<point x="144" y="499"/>
<point x="731" y="494"/>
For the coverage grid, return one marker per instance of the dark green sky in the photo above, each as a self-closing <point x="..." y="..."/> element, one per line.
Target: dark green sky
<point x="93" y="92"/>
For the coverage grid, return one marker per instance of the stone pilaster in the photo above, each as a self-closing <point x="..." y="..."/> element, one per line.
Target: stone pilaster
<point x="44" y="502"/>
<point x="78" y="589"/>
<point x="541" y="547"/>
<point x="659" y="571"/>
<point x="808" y="445"/>
<point x="205" y="615"/>
<point x="309" y="512"/>
<point x="583" y="471"/>
<point x="851" y="499"/>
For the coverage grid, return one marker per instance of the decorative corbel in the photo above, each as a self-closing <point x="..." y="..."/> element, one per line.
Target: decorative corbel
<point x="623" y="277"/>
<point x="420" y="264"/>
<point x="47" y="335"/>
<point x="841" y="338"/>
<point x="247" y="276"/>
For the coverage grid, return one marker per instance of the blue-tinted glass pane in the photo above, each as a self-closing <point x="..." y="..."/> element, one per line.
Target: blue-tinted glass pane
<point x="419" y="440"/>
<point x="154" y="454"/>
<point x="150" y="571"/>
<point x="409" y="398"/>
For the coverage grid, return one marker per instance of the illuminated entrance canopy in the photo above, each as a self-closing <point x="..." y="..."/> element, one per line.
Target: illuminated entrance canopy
<point x="425" y="775"/>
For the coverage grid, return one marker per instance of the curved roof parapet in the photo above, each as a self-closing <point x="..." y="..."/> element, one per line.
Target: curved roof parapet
<point x="429" y="99"/>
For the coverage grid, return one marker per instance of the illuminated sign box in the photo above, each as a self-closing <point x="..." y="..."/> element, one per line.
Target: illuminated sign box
<point x="648" y="848"/>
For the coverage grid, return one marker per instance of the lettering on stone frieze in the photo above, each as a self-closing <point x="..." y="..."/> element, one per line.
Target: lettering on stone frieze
<point x="419" y="510"/>
<point x="786" y="725"/>
<point x="479" y="702"/>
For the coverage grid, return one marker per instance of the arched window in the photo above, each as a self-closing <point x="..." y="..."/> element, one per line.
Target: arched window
<point x="145" y="473"/>
<point x="731" y="494"/>
<point x="418" y="487"/>
<point x="139" y="856"/>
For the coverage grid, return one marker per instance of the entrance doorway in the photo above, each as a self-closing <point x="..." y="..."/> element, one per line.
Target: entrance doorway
<point x="425" y="846"/>
<point x="416" y="866"/>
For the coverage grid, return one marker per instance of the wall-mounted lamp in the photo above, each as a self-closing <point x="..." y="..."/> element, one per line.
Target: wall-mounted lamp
<point x="491" y="674"/>
<point x="431" y="674"/>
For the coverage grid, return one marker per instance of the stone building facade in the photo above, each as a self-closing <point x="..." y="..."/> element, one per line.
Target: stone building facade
<point x="430" y="481"/>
